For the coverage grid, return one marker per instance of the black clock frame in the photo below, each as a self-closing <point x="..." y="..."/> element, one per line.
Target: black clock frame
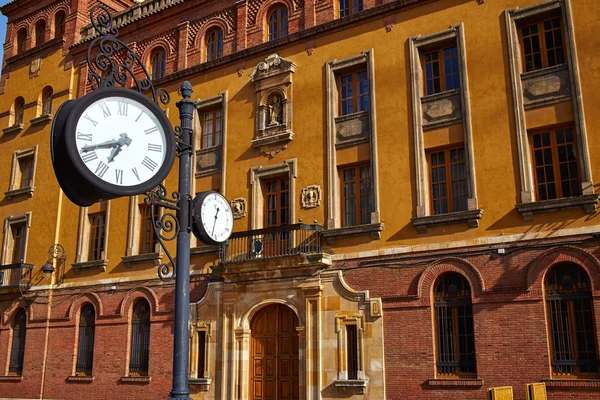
<point x="70" y="133"/>
<point x="197" y="226"/>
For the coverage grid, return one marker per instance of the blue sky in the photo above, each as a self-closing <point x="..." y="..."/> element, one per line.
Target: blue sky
<point x="2" y="29"/>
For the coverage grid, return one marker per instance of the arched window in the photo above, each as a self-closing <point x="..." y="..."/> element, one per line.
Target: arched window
<point x="278" y="22"/>
<point x="59" y="24"/>
<point x="17" y="350"/>
<point x="19" y="110"/>
<point x="85" y="345"/>
<point x="214" y="44"/>
<point x="47" y="94"/>
<point x="571" y="319"/>
<point x="454" y="325"/>
<point x="140" y="339"/>
<point x="158" y="63"/>
<point x="350" y="7"/>
<point x="40" y="32"/>
<point x="21" y="40"/>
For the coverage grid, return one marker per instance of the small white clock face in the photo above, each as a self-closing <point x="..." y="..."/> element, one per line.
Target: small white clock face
<point x="217" y="217"/>
<point x="121" y="141"/>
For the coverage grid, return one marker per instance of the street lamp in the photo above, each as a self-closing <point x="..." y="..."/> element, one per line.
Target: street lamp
<point x="56" y="254"/>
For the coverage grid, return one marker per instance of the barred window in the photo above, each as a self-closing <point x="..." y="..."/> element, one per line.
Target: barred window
<point x="571" y="319"/>
<point x="17" y="351"/>
<point x="85" y="346"/>
<point x="454" y="324"/>
<point x="278" y="23"/>
<point x="140" y="339"/>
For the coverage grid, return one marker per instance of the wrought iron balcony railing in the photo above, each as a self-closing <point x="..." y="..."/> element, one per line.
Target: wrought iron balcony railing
<point x="274" y="242"/>
<point x="12" y="274"/>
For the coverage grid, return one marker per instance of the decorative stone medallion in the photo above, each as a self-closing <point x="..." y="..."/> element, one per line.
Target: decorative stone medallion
<point x="311" y="196"/>
<point x="238" y="207"/>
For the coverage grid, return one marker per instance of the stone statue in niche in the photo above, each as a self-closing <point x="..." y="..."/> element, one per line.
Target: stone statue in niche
<point x="275" y="108"/>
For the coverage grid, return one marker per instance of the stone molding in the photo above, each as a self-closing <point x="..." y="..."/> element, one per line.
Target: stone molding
<point x="546" y="86"/>
<point x="204" y="250"/>
<point x="441" y="109"/>
<point x="471" y="217"/>
<point x="13" y="129"/>
<point x="43" y="119"/>
<point x="518" y="81"/>
<point x="352" y="129"/>
<point x="587" y="202"/>
<point x="437" y="382"/>
<point x="367" y="229"/>
<point x="136" y="379"/>
<point x="130" y="261"/>
<point x="100" y="264"/>
<point x="80" y="379"/>
<point x="333" y="68"/>
<point x="28" y="191"/>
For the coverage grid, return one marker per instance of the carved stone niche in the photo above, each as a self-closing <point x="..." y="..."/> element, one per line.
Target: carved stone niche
<point x="273" y="85"/>
<point x="546" y="86"/>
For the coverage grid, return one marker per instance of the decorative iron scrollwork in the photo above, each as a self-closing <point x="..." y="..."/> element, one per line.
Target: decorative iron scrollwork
<point x="114" y="61"/>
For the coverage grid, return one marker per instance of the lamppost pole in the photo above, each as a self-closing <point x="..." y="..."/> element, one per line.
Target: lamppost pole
<point x="180" y="388"/>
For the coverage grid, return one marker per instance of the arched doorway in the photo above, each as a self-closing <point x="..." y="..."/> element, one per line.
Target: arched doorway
<point x="274" y="354"/>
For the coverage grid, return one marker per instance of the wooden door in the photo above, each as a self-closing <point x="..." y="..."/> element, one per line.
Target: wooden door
<point x="274" y="362"/>
<point x="277" y="213"/>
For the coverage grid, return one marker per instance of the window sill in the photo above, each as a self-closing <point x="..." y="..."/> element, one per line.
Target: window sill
<point x="587" y="202"/>
<point x="80" y="379"/>
<point x="357" y="384"/>
<point x="204" y="383"/>
<point x="100" y="264"/>
<point x="273" y="139"/>
<point x="13" y="129"/>
<point x="471" y="217"/>
<point x="589" y="383"/>
<point x="11" y="378"/>
<point x="136" y="379"/>
<point x="28" y="191"/>
<point x="201" y="250"/>
<point x="373" y="229"/>
<point x="469" y="382"/>
<point x="130" y="261"/>
<point x="41" y="120"/>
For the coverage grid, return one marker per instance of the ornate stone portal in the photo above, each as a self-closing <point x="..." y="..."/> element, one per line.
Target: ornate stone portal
<point x="273" y="84"/>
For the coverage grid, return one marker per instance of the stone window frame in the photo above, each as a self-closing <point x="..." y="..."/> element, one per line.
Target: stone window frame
<point x="261" y="173"/>
<point x="132" y="255"/>
<point x="200" y="377"/>
<point x="8" y="241"/>
<point x="14" y="188"/>
<point x="425" y="218"/>
<point x="83" y="239"/>
<point x="528" y="205"/>
<point x="202" y="105"/>
<point x="342" y="381"/>
<point x="334" y="220"/>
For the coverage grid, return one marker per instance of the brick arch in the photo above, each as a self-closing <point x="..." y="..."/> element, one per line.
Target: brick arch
<point x="10" y="311"/>
<point x="536" y="272"/>
<point x="61" y="7"/>
<point x="265" y="7"/>
<point x="83" y="298"/>
<point x="215" y="22"/>
<point x="451" y="264"/>
<point x="136" y="293"/>
<point x="158" y="42"/>
<point x="15" y="33"/>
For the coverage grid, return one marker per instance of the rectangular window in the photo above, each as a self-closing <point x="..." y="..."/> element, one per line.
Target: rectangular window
<point x="555" y="163"/>
<point x="147" y="236"/>
<point x="212" y="128"/>
<point x="441" y="69"/>
<point x="542" y="44"/>
<point x="354" y="92"/>
<point x="448" y="180"/>
<point x="97" y="235"/>
<point x="277" y="213"/>
<point x="350" y="7"/>
<point x="357" y="196"/>
<point x="26" y="169"/>
<point x="352" y="351"/>
<point x="18" y="248"/>
<point x="201" y="353"/>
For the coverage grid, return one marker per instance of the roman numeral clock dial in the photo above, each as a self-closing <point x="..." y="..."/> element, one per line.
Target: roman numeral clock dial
<point x="118" y="140"/>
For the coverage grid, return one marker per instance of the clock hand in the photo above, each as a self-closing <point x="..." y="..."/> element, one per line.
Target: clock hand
<point x="123" y="140"/>
<point x="114" y="153"/>
<point x="109" y="144"/>
<point x="215" y="224"/>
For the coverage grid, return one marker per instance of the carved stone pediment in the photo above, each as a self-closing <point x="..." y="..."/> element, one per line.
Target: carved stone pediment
<point x="273" y="86"/>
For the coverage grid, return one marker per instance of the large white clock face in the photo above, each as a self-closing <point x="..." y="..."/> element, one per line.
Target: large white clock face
<point x="216" y="217"/>
<point x="121" y="141"/>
